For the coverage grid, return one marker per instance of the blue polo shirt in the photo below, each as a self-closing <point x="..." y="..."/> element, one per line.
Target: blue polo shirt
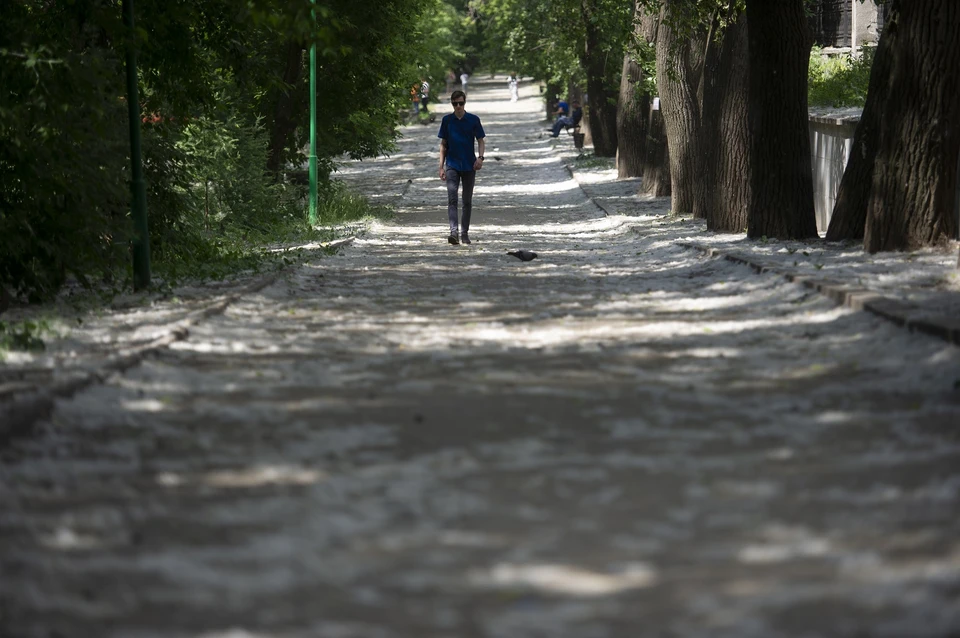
<point x="460" y="135"/>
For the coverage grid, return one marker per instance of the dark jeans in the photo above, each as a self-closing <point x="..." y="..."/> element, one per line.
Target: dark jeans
<point x="454" y="178"/>
<point x="562" y="121"/>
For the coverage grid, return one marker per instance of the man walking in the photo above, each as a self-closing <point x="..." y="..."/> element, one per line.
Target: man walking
<point x="458" y="164"/>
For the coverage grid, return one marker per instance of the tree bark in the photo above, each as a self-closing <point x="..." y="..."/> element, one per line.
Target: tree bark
<point x="914" y="188"/>
<point x="602" y="110"/>
<point x="632" y="109"/>
<point x="679" y="69"/>
<point x="631" y="123"/>
<point x="781" y="180"/>
<point x="725" y="131"/>
<point x="849" y="217"/>
<point x="656" y="159"/>
<point x="284" y="124"/>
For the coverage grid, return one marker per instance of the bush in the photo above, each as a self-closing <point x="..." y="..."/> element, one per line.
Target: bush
<point x="839" y="80"/>
<point x="338" y="204"/>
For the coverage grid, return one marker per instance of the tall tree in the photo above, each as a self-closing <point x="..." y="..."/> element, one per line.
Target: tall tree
<point x="702" y="73"/>
<point x="632" y="107"/>
<point x="564" y="43"/>
<point x="723" y="197"/>
<point x="679" y="73"/>
<point x="913" y="193"/>
<point x="596" y="58"/>
<point x="849" y="217"/>
<point x="781" y="182"/>
<point x="656" y="157"/>
<point x="634" y="103"/>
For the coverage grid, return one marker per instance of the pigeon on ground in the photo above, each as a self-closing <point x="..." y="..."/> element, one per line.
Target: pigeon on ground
<point x="523" y="255"/>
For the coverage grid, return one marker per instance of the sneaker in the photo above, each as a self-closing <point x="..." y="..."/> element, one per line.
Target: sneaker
<point x="465" y="239"/>
<point x="453" y="238"/>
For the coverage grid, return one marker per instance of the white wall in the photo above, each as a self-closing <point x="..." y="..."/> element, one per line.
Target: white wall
<point x="831" y="141"/>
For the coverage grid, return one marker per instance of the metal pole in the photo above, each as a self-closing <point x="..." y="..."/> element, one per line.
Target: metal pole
<point x="313" y="124"/>
<point x="141" y="232"/>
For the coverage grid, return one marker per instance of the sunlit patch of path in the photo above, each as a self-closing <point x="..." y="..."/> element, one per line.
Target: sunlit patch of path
<point x="415" y="439"/>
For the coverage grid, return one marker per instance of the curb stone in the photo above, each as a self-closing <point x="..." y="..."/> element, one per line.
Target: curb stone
<point x="903" y="314"/>
<point x="573" y="175"/>
<point x="31" y="402"/>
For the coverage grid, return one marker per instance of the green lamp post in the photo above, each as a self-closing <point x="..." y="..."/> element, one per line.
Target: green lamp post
<point x="141" y="231"/>
<point x="313" y="124"/>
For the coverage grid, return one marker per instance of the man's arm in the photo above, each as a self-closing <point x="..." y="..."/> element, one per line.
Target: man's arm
<point x="479" y="163"/>
<point x="443" y="159"/>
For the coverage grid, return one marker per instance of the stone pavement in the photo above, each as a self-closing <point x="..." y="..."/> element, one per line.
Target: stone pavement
<point x="622" y="438"/>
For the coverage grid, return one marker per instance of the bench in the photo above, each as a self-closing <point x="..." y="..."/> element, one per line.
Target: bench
<point x="574" y="130"/>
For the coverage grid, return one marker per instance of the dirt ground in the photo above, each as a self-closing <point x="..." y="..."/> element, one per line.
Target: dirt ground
<point x="622" y="438"/>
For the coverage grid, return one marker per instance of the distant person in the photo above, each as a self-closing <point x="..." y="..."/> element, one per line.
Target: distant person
<point x="458" y="164"/>
<point x="424" y="95"/>
<point x="561" y="109"/>
<point x="514" y="85"/>
<point x="415" y="97"/>
<point x="463" y="81"/>
<point x="450" y="80"/>
<point x="572" y="120"/>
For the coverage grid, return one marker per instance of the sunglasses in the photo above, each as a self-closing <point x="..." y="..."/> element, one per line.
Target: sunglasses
<point x="458" y="103"/>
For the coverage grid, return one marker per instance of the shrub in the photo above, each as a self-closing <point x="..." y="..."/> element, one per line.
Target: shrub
<point x="840" y="80"/>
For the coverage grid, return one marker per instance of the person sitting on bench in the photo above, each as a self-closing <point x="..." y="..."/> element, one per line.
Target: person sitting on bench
<point x="567" y="121"/>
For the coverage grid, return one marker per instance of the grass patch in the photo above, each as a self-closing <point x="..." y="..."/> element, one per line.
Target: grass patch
<point x="590" y="160"/>
<point x="23" y="336"/>
<point x="251" y="248"/>
<point x="340" y="205"/>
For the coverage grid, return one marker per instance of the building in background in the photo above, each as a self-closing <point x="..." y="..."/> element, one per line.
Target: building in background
<point x="843" y="26"/>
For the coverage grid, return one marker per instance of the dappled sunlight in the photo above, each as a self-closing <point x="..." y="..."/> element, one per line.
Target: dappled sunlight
<point x="565" y="580"/>
<point x="782" y="543"/>
<point x="256" y="476"/>
<point x="527" y="189"/>
<point x="414" y="438"/>
<point x="238" y="633"/>
<point x="540" y="161"/>
<point x="144" y="405"/>
<point x="67" y="539"/>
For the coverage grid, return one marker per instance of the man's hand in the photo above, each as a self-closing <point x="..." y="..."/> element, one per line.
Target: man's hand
<point x="478" y="164"/>
<point x="443" y="173"/>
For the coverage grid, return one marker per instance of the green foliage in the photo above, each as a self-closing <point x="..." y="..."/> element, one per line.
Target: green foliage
<point x="535" y="38"/>
<point x="224" y="91"/>
<point x="62" y="170"/>
<point x="839" y="80"/>
<point x="547" y="40"/>
<point x="645" y="55"/>
<point x="439" y="43"/>
<point x="24" y="336"/>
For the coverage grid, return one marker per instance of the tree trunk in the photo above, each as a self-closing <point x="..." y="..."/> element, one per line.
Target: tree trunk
<point x="656" y="156"/>
<point x="656" y="159"/>
<point x="631" y="123"/>
<point x="849" y="217"/>
<point x="284" y="124"/>
<point x="914" y="188"/>
<point x="679" y="69"/>
<point x="602" y="110"/>
<point x="632" y="109"/>
<point x="725" y="131"/>
<point x="781" y="180"/>
<point x="551" y="96"/>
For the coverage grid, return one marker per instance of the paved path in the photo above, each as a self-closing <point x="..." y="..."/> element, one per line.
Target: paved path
<point x="415" y="440"/>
